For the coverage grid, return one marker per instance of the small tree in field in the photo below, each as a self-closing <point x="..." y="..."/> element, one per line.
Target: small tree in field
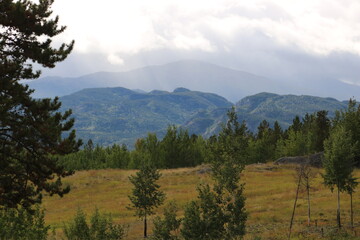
<point x="351" y="184"/>
<point x="146" y="194"/>
<point x="338" y="163"/>
<point x="308" y="174"/>
<point x="219" y="212"/>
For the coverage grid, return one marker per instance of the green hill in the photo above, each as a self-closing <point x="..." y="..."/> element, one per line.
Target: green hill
<point x="271" y="107"/>
<point x="120" y="115"/>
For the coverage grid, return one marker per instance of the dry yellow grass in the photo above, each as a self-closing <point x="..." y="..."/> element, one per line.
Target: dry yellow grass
<point x="270" y="192"/>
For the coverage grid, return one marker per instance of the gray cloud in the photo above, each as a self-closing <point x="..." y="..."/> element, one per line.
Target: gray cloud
<point x="307" y="44"/>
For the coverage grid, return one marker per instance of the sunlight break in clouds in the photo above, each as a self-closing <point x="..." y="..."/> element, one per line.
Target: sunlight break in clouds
<point x="317" y="27"/>
<point x="115" y="60"/>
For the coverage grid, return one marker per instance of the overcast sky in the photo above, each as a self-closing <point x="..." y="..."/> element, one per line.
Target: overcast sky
<point x="289" y="40"/>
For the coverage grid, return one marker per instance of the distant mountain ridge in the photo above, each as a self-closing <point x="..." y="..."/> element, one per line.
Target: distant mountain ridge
<point x="195" y="75"/>
<point x="119" y="115"/>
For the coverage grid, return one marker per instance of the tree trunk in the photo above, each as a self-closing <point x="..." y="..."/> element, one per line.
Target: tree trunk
<point x="145" y="227"/>
<point x="308" y="198"/>
<point x="293" y="213"/>
<point x="338" y="208"/>
<point x="351" y="211"/>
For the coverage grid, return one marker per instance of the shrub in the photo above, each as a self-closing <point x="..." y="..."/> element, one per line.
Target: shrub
<point x="101" y="227"/>
<point x="21" y="224"/>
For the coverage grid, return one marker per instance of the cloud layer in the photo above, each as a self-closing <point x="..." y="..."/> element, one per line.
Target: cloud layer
<point x="308" y="43"/>
<point x="117" y="27"/>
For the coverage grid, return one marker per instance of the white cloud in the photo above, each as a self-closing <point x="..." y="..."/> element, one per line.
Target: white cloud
<point x="350" y="82"/>
<point x="128" y="27"/>
<point x="115" y="60"/>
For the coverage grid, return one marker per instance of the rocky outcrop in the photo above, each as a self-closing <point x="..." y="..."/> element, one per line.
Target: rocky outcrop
<point x="314" y="160"/>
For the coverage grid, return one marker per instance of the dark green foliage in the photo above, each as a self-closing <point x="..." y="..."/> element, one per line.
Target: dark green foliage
<point x="204" y="218"/>
<point x="101" y="227"/>
<point x="31" y="131"/>
<point x="97" y="158"/>
<point x="167" y="228"/>
<point x="350" y="119"/>
<point x="321" y="131"/>
<point x="295" y="144"/>
<point x="231" y="147"/>
<point x="182" y="150"/>
<point x="19" y="224"/>
<point x="79" y="228"/>
<point x="262" y="146"/>
<point x="176" y="149"/>
<point x="306" y="136"/>
<point x="22" y="23"/>
<point x="146" y="194"/>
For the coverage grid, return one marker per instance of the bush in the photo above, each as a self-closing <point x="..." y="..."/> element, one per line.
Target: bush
<point x="21" y="224"/>
<point x="101" y="227"/>
<point x="166" y="228"/>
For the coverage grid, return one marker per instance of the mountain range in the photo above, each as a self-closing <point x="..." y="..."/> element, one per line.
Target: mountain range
<point x="195" y="75"/>
<point x="120" y="115"/>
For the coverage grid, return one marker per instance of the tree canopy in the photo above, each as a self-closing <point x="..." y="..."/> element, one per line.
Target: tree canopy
<point x="31" y="130"/>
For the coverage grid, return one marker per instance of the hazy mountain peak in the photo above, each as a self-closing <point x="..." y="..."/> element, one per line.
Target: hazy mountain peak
<point x="180" y="89"/>
<point x="190" y="74"/>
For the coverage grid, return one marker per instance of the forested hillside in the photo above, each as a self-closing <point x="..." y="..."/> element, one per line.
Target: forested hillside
<point x="120" y="115"/>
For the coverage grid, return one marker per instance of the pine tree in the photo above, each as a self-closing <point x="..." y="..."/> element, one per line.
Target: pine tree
<point x="219" y="212"/>
<point x="31" y="131"/>
<point x="350" y="119"/>
<point x="146" y="194"/>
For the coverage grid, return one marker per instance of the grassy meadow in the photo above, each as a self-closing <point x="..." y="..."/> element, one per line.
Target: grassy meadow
<point x="270" y="192"/>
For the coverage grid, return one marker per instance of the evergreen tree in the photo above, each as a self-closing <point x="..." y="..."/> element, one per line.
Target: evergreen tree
<point x="204" y="219"/>
<point x="146" y="194"/>
<point x="322" y="130"/>
<point x="350" y="120"/>
<point x="220" y="212"/>
<point x="297" y="125"/>
<point x="263" y="127"/>
<point x="171" y="148"/>
<point x="277" y="132"/>
<point x="31" y="131"/>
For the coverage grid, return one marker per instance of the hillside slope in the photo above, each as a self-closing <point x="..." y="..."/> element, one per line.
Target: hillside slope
<point x="271" y="107"/>
<point x="120" y="115"/>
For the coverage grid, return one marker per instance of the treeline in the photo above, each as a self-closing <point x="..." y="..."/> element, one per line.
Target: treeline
<point x="178" y="148"/>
